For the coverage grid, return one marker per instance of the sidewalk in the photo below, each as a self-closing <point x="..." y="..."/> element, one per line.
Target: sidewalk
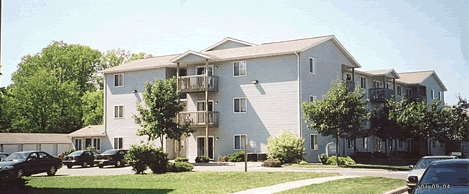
<point x="292" y="185"/>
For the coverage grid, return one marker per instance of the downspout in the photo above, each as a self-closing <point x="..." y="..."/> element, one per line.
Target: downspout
<point x="105" y="105"/>
<point x="299" y="96"/>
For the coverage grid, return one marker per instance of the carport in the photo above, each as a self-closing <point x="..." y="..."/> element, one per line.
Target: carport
<point x="53" y="144"/>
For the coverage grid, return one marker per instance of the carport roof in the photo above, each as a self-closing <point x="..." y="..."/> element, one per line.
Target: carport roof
<point x="34" y="138"/>
<point x="89" y="131"/>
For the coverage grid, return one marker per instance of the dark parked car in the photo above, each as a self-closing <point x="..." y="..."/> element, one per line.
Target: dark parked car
<point x="80" y="157"/>
<point x="420" y="167"/>
<point x="111" y="157"/>
<point x="3" y="155"/>
<point x="444" y="176"/>
<point x="26" y="163"/>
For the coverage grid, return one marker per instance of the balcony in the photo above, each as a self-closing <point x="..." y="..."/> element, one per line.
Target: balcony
<point x="380" y="94"/>
<point x="197" y="83"/>
<point x="350" y="85"/>
<point x="418" y="98"/>
<point x="197" y="118"/>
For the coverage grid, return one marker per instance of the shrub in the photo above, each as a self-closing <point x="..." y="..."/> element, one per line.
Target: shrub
<point x="288" y="148"/>
<point x="90" y="148"/>
<point x="303" y="162"/>
<point x="181" y="159"/>
<point x="65" y="153"/>
<point x="202" y="159"/>
<point x="179" y="167"/>
<point x="347" y="161"/>
<point x="159" y="164"/>
<point x="272" y="163"/>
<point x="236" y="157"/>
<point x="140" y="157"/>
<point x="223" y="158"/>
<point x="323" y="158"/>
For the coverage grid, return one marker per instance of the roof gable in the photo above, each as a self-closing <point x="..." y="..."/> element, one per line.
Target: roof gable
<point x="418" y="77"/>
<point x="228" y="43"/>
<point x="389" y="73"/>
<point x="89" y="131"/>
<point x="191" y="57"/>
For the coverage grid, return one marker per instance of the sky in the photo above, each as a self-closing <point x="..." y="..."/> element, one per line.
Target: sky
<point x="403" y="35"/>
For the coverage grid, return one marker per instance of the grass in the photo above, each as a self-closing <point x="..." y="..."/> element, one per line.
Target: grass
<point x="361" y="166"/>
<point x="188" y="182"/>
<point x="369" y="185"/>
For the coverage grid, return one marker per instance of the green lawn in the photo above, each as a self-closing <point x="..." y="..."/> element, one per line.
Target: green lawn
<point x="189" y="182"/>
<point x="369" y="185"/>
<point x="366" y="166"/>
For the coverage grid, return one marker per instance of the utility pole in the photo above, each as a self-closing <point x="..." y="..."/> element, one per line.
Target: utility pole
<point x="245" y="153"/>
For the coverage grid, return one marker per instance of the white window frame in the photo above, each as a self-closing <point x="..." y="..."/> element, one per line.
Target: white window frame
<point x="119" y="145"/>
<point x="362" y="82"/>
<point x="79" y="147"/>
<point x="440" y="94"/>
<point x="117" y="116"/>
<point x="121" y="76"/>
<point x="313" y="138"/>
<point x="312" y="65"/>
<point x="246" y="105"/>
<point x="432" y="94"/>
<point x="400" y="143"/>
<point x="314" y="98"/>
<point x="349" y="142"/>
<point x="365" y="142"/>
<point x="93" y="143"/>
<point x="203" y="66"/>
<point x="239" y="68"/>
<point x="399" y="90"/>
<point x="241" y="142"/>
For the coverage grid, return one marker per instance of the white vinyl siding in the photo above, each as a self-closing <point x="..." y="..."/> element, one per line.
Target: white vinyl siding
<point x="238" y="142"/>
<point x="239" y="105"/>
<point x="239" y="68"/>
<point x="119" y="80"/>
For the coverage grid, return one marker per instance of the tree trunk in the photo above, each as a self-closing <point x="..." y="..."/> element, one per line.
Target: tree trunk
<point x="386" y="146"/>
<point x="161" y="141"/>
<point x="337" y="150"/>
<point x="355" y="146"/>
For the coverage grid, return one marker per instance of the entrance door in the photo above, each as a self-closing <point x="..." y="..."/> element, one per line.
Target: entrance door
<point x="201" y="115"/>
<point x="201" y="147"/>
<point x="180" y="147"/>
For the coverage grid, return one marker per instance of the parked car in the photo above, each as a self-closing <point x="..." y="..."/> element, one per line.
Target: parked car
<point x="420" y="167"/>
<point x="26" y="163"/>
<point x="82" y="158"/>
<point x="3" y="155"/>
<point x="444" y="176"/>
<point x="111" y="157"/>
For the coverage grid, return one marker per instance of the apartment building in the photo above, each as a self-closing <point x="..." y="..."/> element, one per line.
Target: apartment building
<point x="235" y="89"/>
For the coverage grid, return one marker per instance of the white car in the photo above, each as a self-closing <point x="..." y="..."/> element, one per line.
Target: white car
<point x="420" y="168"/>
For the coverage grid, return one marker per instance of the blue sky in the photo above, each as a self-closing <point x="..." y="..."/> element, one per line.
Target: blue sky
<point x="404" y="35"/>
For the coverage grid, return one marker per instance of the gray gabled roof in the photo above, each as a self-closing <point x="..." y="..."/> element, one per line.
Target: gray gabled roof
<point x="239" y="53"/>
<point x="89" y="131"/>
<point x="34" y="138"/>
<point x="418" y="77"/>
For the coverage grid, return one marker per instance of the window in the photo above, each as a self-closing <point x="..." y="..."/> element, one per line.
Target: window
<point x="239" y="142"/>
<point x="409" y="92"/>
<point x="400" y="143"/>
<point x="312" y="98"/>
<point x="440" y="95"/>
<point x="363" y="82"/>
<point x="118" y="143"/>
<point x="119" y="80"/>
<point x="388" y="85"/>
<point x="376" y="84"/>
<point x="399" y="90"/>
<point x="365" y="142"/>
<point x="313" y="142"/>
<point x="97" y="143"/>
<point x="239" y="68"/>
<point x="239" y="105"/>
<point x="312" y="65"/>
<point x="78" y="144"/>
<point x="432" y="94"/>
<point x="118" y="111"/>
<point x="350" y="143"/>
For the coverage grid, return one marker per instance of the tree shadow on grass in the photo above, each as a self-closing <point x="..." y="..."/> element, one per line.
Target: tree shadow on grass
<point x="383" y="167"/>
<point x="88" y="191"/>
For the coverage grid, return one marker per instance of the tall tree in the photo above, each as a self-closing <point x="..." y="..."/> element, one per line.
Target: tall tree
<point x="5" y="109"/>
<point x="93" y="108"/>
<point x="338" y="114"/>
<point x="456" y="125"/>
<point x="157" y="115"/>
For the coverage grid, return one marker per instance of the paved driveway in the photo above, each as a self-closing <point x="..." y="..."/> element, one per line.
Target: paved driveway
<point x="92" y="171"/>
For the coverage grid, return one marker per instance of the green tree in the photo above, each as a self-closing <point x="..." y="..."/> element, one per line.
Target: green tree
<point x="158" y="112"/>
<point x="338" y="114"/>
<point x="456" y="125"/>
<point x="93" y="108"/>
<point x="5" y="109"/>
